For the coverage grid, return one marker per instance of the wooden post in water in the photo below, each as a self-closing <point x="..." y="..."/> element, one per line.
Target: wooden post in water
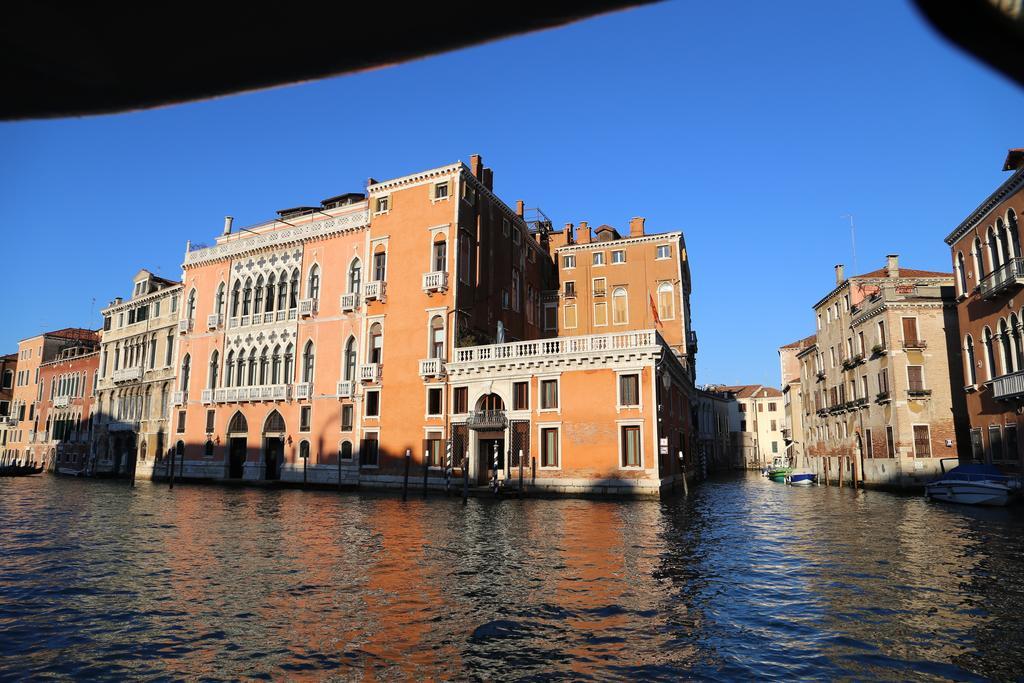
<point x="170" y="469"/>
<point x="520" y="472"/>
<point x="405" y="479"/>
<point x="682" y="467"/>
<point x="494" y="470"/>
<point x="840" y="460"/>
<point x="465" y="477"/>
<point x="339" y="470"/>
<point x="426" y="470"/>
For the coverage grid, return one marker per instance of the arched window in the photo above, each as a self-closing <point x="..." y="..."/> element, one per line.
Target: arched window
<point x="666" y="302"/>
<point x="264" y="365"/>
<point x="274" y="424"/>
<point x="190" y="305"/>
<point x="270" y="293"/>
<point x="258" y="307"/>
<point x="990" y="356"/>
<point x="282" y="291"/>
<point x="304" y="449"/>
<point x="236" y="295"/>
<point x="355" y="276"/>
<point x="289" y="364"/>
<point x="218" y="302"/>
<point x="229" y="369"/>
<point x="350" y="359"/>
<point x="376" y="343"/>
<point x="979" y="261"/>
<point x="620" y="308"/>
<point x="961" y="274"/>
<point x="437" y="337"/>
<point x="971" y="374"/>
<point x="1004" y="240"/>
<point x="1011" y="221"/>
<point x="214" y="368"/>
<point x="247" y="297"/>
<point x="207" y="449"/>
<point x="240" y="370"/>
<point x="993" y="249"/>
<point x="440" y="260"/>
<point x="186" y="363"/>
<point x="307" y="362"/>
<point x="252" y="367"/>
<point x="346" y="450"/>
<point x="293" y="290"/>
<point x="313" y="285"/>
<point x="1005" y="351"/>
<point x="1015" y="343"/>
<point x="380" y="264"/>
<point x="238" y="425"/>
<point x="275" y="366"/>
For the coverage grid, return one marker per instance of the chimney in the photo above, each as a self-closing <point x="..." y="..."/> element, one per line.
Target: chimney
<point x="583" y="234"/>
<point x="892" y="265"/>
<point x="569" y="235"/>
<point x="228" y="220"/>
<point x="488" y="179"/>
<point x="636" y="227"/>
<point x="839" y="274"/>
<point x="476" y="165"/>
<point x="519" y="208"/>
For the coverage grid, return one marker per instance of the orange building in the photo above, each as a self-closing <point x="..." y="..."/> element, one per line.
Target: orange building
<point x="66" y="408"/>
<point x="25" y="440"/>
<point x="8" y="371"/>
<point x="345" y="342"/>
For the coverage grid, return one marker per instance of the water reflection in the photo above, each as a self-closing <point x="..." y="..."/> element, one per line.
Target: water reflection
<point x="744" y="579"/>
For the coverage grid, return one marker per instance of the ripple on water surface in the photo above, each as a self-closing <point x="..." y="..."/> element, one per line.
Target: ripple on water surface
<point x="745" y="579"/>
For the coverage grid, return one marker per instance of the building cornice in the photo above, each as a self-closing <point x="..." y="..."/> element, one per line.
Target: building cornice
<point x="277" y="239"/>
<point x="879" y="282"/>
<point x="1010" y="186"/>
<point x="654" y="237"/>
<point x="144" y="299"/>
<point x="58" y="361"/>
<point x="386" y="186"/>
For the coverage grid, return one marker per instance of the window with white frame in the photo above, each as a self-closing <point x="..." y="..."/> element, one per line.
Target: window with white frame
<point x="382" y="204"/>
<point x="620" y="306"/>
<point x="569" y="261"/>
<point x="630" y="446"/>
<point x="629" y="390"/>
<point x="549" y="394"/>
<point x="664" y="251"/>
<point x="570" y="316"/>
<point x="549" y="447"/>
<point x="619" y="256"/>
<point x="441" y="191"/>
<point x="598" y="258"/>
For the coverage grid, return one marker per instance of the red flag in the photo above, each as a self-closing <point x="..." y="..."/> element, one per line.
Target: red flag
<point x="654" y="310"/>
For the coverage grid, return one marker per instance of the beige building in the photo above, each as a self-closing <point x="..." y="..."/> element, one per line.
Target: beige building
<point x="760" y="423"/>
<point x="878" y="406"/>
<point x="793" y="400"/>
<point x="136" y="376"/>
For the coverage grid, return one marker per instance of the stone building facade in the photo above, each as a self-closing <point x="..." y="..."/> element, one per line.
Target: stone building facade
<point x="793" y="400"/>
<point x="878" y="404"/>
<point x="717" y="448"/>
<point x="988" y="266"/>
<point x="137" y="377"/>
<point x="344" y="342"/>
<point x="757" y="423"/>
<point x="66" y="408"/>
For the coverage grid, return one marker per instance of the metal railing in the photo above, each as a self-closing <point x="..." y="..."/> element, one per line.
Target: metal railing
<point x="1008" y="386"/>
<point x="1007" y="275"/>
<point x="487" y="420"/>
<point x="559" y="346"/>
<point x="436" y="281"/>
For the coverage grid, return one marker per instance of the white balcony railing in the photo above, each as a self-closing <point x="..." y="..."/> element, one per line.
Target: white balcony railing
<point x="184" y="326"/>
<point x="559" y="346"/>
<point x="128" y="374"/>
<point x="178" y="398"/>
<point x="207" y="396"/>
<point x="272" y="392"/>
<point x="436" y="281"/>
<point x="1008" y="386"/>
<point x="304" y="390"/>
<point x="61" y="401"/>
<point x="307" y="307"/>
<point x="345" y="389"/>
<point x="350" y="301"/>
<point x="213" y="321"/>
<point x="1008" y="275"/>
<point x="431" y="367"/>
<point x="374" y="290"/>
<point x="369" y="372"/>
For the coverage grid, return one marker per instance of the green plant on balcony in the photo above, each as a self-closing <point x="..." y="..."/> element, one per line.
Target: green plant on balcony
<point x="882" y="396"/>
<point x="877" y="350"/>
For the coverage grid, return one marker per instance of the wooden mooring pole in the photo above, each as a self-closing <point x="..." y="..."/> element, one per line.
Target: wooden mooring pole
<point x="426" y="470"/>
<point x="465" y="477"/>
<point x="682" y="467"/>
<point x="520" y="472"/>
<point x="405" y="479"/>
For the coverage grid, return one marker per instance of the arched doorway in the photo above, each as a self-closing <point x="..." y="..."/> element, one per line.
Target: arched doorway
<point x="273" y="445"/>
<point x="238" y="441"/>
<point x="489" y="422"/>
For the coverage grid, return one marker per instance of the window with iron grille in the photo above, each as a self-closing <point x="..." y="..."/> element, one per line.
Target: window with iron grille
<point x="922" y="442"/>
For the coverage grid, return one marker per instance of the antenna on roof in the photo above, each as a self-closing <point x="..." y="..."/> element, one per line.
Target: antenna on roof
<point x="853" y="240"/>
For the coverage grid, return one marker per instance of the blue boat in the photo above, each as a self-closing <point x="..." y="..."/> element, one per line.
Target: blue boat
<point x="801" y="478"/>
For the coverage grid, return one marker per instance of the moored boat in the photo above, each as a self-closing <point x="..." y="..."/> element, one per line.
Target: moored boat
<point x="802" y="478"/>
<point x="19" y="470"/>
<point x="779" y="469"/>
<point x="973" y="484"/>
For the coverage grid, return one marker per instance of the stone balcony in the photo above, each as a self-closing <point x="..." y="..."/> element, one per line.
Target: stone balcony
<point x="128" y="374"/>
<point x="349" y="302"/>
<point x="61" y="401"/>
<point x="374" y="290"/>
<point x="178" y="398"/>
<point x="369" y="372"/>
<point x="431" y="367"/>
<point x="346" y="388"/>
<point x="213" y="321"/>
<point x="436" y="281"/>
<point x="304" y="390"/>
<point x="307" y="307"/>
<point x="184" y="326"/>
<point x="1004" y="279"/>
<point x="271" y="392"/>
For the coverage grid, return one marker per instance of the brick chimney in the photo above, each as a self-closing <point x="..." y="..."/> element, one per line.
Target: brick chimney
<point x="636" y="227"/>
<point x="583" y="235"/>
<point x="519" y="208"/>
<point x="570" y="237"/>
<point x="488" y="179"/>
<point x="892" y="265"/>
<point x="839" y="273"/>
<point x="476" y="165"/>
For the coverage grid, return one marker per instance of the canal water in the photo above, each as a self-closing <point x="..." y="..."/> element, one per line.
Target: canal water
<point x="745" y="579"/>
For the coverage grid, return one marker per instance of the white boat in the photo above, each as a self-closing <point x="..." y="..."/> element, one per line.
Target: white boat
<point x="973" y="484"/>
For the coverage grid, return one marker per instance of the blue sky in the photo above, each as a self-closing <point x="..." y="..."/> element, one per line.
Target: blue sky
<point x="753" y="131"/>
